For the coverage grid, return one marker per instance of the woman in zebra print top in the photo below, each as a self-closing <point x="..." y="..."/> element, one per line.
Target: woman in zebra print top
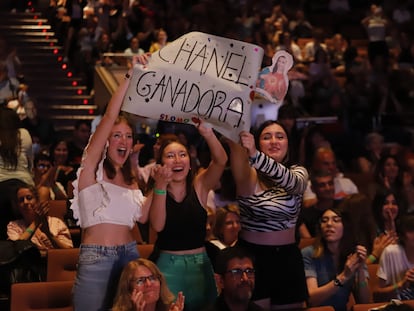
<point x="269" y="195"/>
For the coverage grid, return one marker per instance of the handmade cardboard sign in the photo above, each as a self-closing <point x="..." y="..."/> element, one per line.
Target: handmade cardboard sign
<point x="198" y="76"/>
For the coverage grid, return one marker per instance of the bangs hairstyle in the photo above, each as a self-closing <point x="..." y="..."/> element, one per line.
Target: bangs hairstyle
<point x="123" y="296"/>
<point x="126" y="169"/>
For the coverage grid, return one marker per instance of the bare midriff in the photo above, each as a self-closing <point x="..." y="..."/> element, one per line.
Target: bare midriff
<point x="187" y="251"/>
<point x="284" y="237"/>
<point x="107" y="235"/>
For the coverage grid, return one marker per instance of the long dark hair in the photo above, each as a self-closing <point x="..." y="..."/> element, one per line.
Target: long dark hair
<point x="347" y="243"/>
<point x="166" y="142"/>
<point x="378" y="205"/>
<point x="10" y="144"/>
<point x="268" y="182"/>
<point x="126" y="169"/>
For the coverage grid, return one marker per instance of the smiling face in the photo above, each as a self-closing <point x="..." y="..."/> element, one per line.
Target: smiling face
<point x="273" y="141"/>
<point x="147" y="283"/>
<point x="231" y="228"/>
<point x="176" y="157"/>
<point x="60" y="153"/>
<point x="26" y="202"/>
<point x="120" y="143"/>
<point x="331" y="226"/>
<point x="390" y="208"/>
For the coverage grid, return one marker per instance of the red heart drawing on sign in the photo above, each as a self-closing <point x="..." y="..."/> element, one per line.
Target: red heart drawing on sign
<point x="195" y="120"/>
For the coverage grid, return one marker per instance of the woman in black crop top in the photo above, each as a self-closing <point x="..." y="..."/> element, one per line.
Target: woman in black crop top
<point x="269" y="195"/>
<point x="178" y="213"/>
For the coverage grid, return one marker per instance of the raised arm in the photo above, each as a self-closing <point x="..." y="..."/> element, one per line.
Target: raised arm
<point x="244" y="176"/>
<point x="207" y="179"/>
<point x="93" y="151"/>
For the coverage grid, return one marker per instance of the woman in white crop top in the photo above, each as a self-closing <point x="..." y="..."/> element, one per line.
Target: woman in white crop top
<point x="107" y="203"/>
<point x="269" y="196"/>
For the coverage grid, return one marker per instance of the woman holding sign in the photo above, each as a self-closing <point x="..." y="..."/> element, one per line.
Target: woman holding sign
<point x="269" y="195"/>
<point x="107" y="202"/>
<point x="179" y="215"/>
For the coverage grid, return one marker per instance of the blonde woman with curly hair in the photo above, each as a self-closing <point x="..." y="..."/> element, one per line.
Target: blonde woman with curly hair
<point x="142" y="287"/>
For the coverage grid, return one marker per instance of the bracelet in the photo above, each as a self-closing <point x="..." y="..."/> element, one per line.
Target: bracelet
<point x="363" y="284"/>
<point x="372" y="258"/>
<point x="28" y="230"/>
<point x="395" y="287"/>
<point x="160" y="191"/>
<point x="253" y="159"/>
<point x="127" y="76"/>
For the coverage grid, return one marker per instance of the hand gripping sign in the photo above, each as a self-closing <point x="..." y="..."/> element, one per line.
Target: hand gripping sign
<point x="198" y="76"/>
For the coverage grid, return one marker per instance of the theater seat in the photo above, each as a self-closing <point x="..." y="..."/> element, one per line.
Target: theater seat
<point x="61" y="264"/>
<point x="42" y="296"/>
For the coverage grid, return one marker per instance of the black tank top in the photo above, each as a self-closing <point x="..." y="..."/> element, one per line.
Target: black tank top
<point x="185" y="225"/>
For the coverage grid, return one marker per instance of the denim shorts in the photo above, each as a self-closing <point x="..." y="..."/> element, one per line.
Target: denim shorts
<point x="191" y="274"/>
<point x="99" y="269"/>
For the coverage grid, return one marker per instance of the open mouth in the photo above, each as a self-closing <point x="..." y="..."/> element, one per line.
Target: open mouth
<point x="121" y="151"/>
<point x="178" y="169"/>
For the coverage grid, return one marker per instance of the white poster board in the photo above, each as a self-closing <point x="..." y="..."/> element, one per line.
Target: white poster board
<point x="198" y="76"/>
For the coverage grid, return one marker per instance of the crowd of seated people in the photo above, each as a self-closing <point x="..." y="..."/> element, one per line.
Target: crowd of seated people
<point x="327" y="268"/>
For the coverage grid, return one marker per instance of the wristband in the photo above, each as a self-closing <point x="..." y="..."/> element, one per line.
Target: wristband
<point x="363" y="284"/>
<point x="395" y="287"/>
<point x="28" y="230"/>
<point x="160" y="191"/>
<point x="372" y="258"/>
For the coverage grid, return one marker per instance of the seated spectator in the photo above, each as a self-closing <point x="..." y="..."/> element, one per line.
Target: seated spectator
<point x="396" y="272"/>
<point x="160" y="40"/>
<point x="317" y="42"/>
<point x="226" y="230"/>
<point x="9" y="87"/>
<point x="300" y="27"/>
<point x="388" y="174"/>
<point x="45" y="231"/>
<point x="78" y="142"/>
<point x="142" y="287"/>
<point x="65" y="172"/>
<point x="236" y="281"/>
<point x="325" y="159"/>
<point x="369" y="157"/>
<point x="364" y="226"/>
<point x="132" y="50"/>
<point x="44" y="176"/>
<point x="335" y="264"/>
<point x="323" y="187"/>
<point x="16" y="161"/>
<point x="386" y="208"/>
<point x="39" y="127"/>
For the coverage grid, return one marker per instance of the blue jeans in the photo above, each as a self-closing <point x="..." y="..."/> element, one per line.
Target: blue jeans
<point x="98" y="274"/>
<point x="191" y="274"/>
